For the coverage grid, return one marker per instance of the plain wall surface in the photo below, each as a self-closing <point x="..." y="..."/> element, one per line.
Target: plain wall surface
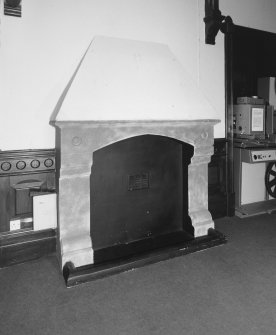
<point x="122" y="79"/>
<point x="40" y="51"/>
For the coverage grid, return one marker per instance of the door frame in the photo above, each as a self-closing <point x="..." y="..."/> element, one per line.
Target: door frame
<point x="230" y="30"/>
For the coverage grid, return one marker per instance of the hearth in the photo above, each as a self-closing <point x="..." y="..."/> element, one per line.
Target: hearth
<point x="132" y="161"/>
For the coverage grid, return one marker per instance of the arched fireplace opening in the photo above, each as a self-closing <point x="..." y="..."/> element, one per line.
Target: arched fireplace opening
<point x="139" y="196"/>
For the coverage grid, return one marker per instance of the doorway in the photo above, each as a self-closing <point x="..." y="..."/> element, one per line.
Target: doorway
<point x="249" y="55"/>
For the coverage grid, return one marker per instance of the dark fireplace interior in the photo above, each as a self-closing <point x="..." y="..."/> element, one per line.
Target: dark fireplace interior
<point x="139" y="196"/>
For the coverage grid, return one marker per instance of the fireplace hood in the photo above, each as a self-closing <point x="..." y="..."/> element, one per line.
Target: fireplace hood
<point x="120" y="79"/>
<point x="120" y="90"/>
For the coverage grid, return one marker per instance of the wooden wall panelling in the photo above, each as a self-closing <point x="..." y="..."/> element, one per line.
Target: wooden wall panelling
<point x="217" y="180"/>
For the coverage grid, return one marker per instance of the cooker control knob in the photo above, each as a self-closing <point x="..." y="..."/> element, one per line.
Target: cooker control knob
<point x="48" y="162"/>
<point x="6" y="166"/>
<point x="35" y="164"/>
<point x="21" y="165"/>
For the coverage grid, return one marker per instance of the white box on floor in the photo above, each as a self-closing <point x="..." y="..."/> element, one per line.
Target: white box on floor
<point x="45" y="211"/>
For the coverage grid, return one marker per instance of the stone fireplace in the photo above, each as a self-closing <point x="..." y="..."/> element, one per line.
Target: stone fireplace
<point x="124" y="89"/>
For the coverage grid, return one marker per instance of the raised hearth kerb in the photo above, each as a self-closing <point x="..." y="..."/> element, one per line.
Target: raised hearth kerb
<point x="76" y="142"/>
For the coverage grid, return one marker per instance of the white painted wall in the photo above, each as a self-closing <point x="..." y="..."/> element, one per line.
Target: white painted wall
<point x="39" y="52"/>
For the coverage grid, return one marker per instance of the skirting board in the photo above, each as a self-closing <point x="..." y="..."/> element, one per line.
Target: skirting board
<point x="77" y="275"/>
<point x="25" y="246"/>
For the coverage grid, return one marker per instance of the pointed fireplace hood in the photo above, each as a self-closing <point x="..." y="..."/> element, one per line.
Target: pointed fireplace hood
<point x="120" y="79"/>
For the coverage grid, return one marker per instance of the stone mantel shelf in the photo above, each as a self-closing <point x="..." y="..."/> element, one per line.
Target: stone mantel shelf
<point x="127" y="123"/>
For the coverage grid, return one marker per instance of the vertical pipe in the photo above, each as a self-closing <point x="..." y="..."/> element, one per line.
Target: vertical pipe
<point x="228" y="44"/>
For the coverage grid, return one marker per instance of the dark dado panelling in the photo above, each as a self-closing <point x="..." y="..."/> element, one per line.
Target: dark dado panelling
<point x="23" y="174"/>
<point x="217" y="180"/>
